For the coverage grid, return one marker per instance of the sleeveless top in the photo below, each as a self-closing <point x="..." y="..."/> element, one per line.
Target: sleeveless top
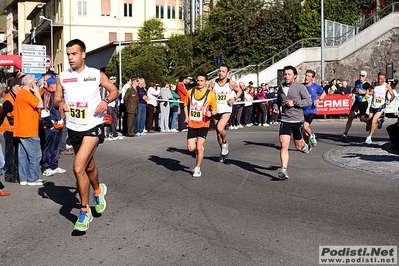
<point x="359" y="86"/>
<point x="222" y="96"/>
<point x="197" y="110"/>
<point x="81" y="94"/>
<point x="379" y="96"/>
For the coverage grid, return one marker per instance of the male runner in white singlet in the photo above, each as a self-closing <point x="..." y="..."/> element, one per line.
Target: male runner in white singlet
<point x="77" y="94"/>
<point x="227" y="92"/>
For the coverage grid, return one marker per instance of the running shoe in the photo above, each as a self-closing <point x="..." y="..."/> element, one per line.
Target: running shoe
<point x="283" y="174"/>
<point x="312" y="140"/>
<point x="99" y="200"/>
<point x="48" y="172"/>
<point x="368" y="140"/>
<point x="197" y="172"/>
<point x="225" y="148"/>
<point x="306" y="149"/>
<point x="58" y="170"/>
<point x="368" y="127"/>
<point x="380" y="122"/>
<point x="38" y="182"/>
<point x="222" y="158"/>
<point x="344" y="136"/>
<point x="85" y="217"/>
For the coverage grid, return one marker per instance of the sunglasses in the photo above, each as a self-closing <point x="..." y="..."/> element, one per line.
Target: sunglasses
<point x="112" y="79"/>
<point x="362" y="75"/>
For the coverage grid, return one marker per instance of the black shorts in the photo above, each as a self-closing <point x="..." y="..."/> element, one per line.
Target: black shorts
<point x="218" y="116"/>
<point x="197" y="132"/>
<point x="309" y="118"/>
<point x="360" y="106"/>
<point x="76" y="137"/>
<point x="379" y="109"/>
<point x="296" y="129"/>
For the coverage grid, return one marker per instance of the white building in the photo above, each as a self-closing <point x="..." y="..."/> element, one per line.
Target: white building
<point x="96" y="22"/>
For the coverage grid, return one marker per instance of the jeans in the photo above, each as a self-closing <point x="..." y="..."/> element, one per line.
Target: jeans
<point x="29" y="156"/>
<point x="140" y="118"/>
<point x="11" y="155"/>
<point x="182" y="117"/>
<point x="173" y="116"/>
<point x="262" y="114"/>
<point x="51" y="149"/>
<point x="248" y="114"/>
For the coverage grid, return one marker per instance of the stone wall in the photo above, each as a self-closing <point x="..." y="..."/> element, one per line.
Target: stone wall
<point x="373" y="58"/>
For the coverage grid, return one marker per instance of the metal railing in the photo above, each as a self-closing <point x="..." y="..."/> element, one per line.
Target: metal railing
<point x="311" y="42"/>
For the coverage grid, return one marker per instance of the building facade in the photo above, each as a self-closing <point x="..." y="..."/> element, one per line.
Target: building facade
<point x="96" y="22"/>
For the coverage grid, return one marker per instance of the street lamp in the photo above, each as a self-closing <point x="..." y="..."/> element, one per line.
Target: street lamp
<point x="51" y="37"/>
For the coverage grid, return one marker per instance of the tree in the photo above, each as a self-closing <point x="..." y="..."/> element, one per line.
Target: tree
<point x="151" y="29"/>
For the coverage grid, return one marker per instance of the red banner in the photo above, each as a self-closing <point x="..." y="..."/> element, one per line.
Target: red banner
<point x="11" y="60"/>
<point x="335" y="104"/>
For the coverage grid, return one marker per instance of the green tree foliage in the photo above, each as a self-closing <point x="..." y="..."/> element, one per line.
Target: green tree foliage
<point x="348" y="12"/>
<point x="151" y="29"/>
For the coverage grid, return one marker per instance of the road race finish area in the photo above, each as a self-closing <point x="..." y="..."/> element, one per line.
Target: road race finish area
<point x="376" y="158"/>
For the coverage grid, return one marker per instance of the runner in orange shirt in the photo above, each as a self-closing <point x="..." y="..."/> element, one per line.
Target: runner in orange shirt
<point x="199" y="106"/>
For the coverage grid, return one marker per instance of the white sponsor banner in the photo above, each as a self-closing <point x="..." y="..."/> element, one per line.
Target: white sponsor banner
<point x="376" y="255"/>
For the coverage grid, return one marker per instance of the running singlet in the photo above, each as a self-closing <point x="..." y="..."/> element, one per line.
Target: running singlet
<point x="222" y="96"/>
<point x="361" y="87"/>
<point x="198" y="108"/>
<point x="379" y="96"/>
<point x="314" y="90"/>
<point x="81" y="93"/>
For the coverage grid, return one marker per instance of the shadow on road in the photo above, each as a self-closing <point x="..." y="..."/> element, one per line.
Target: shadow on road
<point x="170" y="164"/>
<point x="64" y="197"/>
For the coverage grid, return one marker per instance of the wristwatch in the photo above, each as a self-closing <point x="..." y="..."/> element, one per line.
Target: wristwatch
<point x="106" y="100"/>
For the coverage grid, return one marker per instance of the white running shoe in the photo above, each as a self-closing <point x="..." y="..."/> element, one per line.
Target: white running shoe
<point x="197" y="172"/>
<point x="225" y="148"/>
<point x="48" y="172"/>
<point x="58" y="170"/>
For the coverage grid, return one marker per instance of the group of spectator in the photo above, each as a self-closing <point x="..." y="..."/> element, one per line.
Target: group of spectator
<point x="257" y="106"/>
<point x="147" y="109"/>
<point x="335" y="86"/>
<point x="30" y="123"/>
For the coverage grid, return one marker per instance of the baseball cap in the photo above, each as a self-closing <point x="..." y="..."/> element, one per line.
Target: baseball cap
<point x="363" y="73"/>
<point x="51" y="81"/>
<point x="250" y="82"/>
<point x="15" y="81"/>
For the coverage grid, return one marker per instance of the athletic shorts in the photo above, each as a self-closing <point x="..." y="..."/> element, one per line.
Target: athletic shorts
<point x="76" y="137"/>
<point x="376" y="110"/>
<point x="309" y="118"/>
<point x="296" y="129"/>
<point x="218" y="116"/>
<point x="201" y="132"/>
<point x="360" y="106"/>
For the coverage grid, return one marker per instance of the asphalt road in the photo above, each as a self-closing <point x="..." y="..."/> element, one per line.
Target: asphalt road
<point x="235" y="214"/>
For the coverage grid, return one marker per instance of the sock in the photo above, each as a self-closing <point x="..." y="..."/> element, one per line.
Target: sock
<point x="97" y="191"/>
<point x="85" y="208"/>
<point x="284" y="168"/>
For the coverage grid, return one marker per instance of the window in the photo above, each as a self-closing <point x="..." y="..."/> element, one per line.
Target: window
<point x="159" y="12"/>
<point x="112" y="37"/>
<point x="171" y="12"/>
<point x="171" y="9"/>
<point x="105" y="8"/>
<point x="128" y="36"/>
<point x="181" y="9"/>
<point x="82" y="8"/>
<point x="128" y="10"/>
